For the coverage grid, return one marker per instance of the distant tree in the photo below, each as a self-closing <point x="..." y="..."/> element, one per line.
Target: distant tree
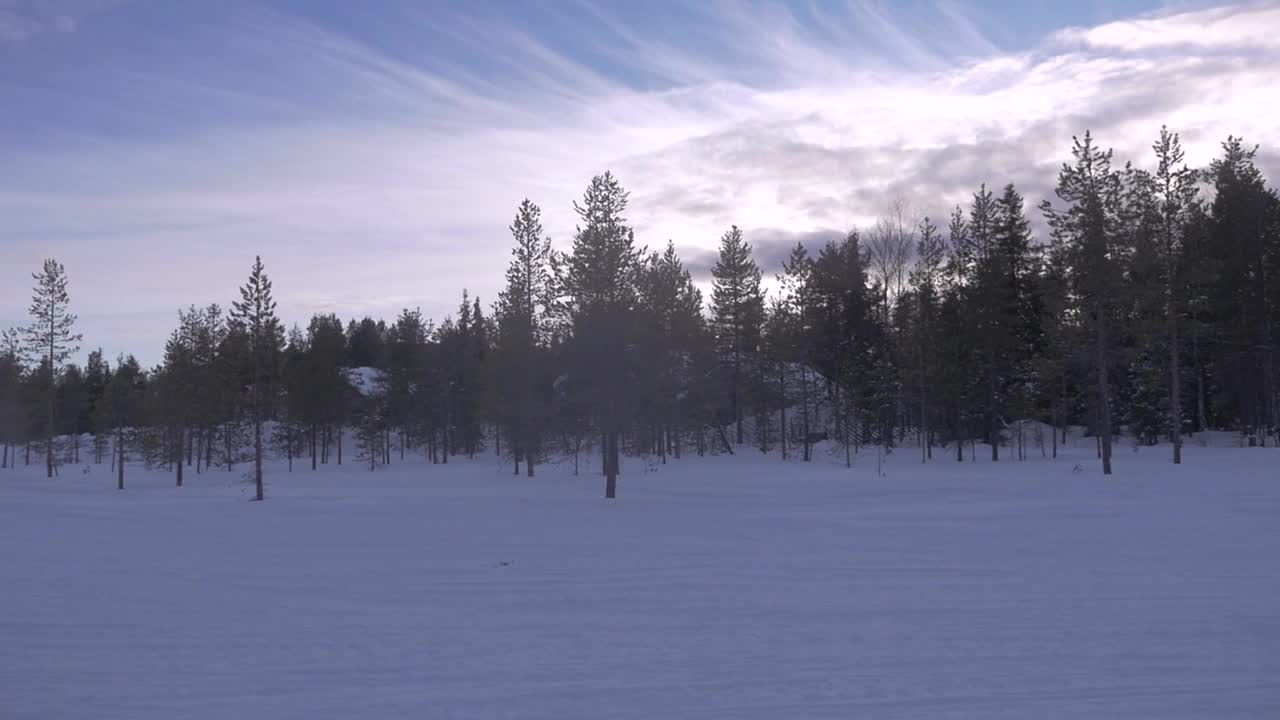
<point x="465" y="350"/>
<point x="793" y="323"/>
<point x="366" y="343"/>
<point x="372" y="426"/>
<point x="96" y="377"/>
<point x="671" y="333"/>
<point x="11" y="385"/>
<point x="523" y="338"/>
<point x="120" y="409"/>
<point x="177" y="386"/>
<point x="255" y="315"/>
<point x="293" y="423"/>
<point x="72" y="404"/>
<point x="846" y="336"/>
<point x="926" y="280"/>
<point x="50" y="337"/>
<point x="327" y="386"/>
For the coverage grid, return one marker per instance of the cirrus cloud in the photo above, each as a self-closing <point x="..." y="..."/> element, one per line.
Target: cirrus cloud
<point x="373" y="175"/>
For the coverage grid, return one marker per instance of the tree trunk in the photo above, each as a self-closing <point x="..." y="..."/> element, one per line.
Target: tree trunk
<point x="48" y="443"/>
<point x="257" y="455"/>
<point x="804" y="417"/>
<point x="1175" y="388"/>
<point x="120" y="459"/>
<point x="1202" y="422"/>
<point x="611" y="466"/>
<point x="1104" y="405"/>
<point x="924" y="424"/>
<point x="782" y="395"/>
<point x="734" y="400"/>
<point x="181" y="432"/>
<point x="723" y="438"/>
<point x="528" y="457"/>
<point x="1053" y="430"/>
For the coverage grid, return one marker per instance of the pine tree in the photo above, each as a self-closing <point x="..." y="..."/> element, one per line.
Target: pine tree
<point x="1176" y="193"/>
<point x="599" y="283"/>
<point x="1088" y="228"/>
<point x="794" y="337"/>
<point x="737" y="313"/>
<point x="255" y="315"/>
<point x="180" y="385"/>
<point x="50" y="337"/>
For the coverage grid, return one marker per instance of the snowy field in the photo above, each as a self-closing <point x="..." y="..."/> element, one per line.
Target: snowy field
<point x="717" y="588"/>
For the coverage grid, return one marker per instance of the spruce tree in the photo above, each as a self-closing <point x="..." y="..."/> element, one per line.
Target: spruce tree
<point x="96" y="376"/>
<point x="926" y="281"/>
<point x="1244" y="243"/>
<point x="670" y="335"/>
<point x="50" y="337"/>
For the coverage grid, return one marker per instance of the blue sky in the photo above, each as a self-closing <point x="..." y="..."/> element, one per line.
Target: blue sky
<point x="374" y="153"/>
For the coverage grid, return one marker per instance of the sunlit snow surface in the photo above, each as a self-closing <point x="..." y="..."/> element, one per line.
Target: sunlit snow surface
<point x="726" y="587"/>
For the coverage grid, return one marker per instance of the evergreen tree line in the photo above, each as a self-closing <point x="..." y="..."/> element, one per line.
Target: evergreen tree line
<point x="1151" y="307"/>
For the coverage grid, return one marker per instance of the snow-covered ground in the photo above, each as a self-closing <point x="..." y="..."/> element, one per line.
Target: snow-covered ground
<point x="727" y="587"/>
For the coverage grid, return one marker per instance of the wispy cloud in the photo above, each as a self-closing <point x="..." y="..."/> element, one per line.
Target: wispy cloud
<point x="21" y="20"/>
<point x="372" y="176"/>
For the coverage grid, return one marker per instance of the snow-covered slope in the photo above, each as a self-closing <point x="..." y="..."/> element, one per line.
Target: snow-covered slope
<point x="364" y="380"/>
<point x="727" y="587"/>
